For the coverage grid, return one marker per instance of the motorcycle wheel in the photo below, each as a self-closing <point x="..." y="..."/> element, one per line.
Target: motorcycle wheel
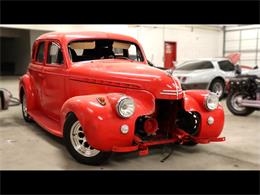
<point x="233" y="105"/>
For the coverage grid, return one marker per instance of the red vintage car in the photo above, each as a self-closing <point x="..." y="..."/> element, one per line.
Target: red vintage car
<point x="97" y="91"/>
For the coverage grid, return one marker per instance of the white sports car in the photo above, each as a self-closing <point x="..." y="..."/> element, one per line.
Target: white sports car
<point x="205" y="74"/>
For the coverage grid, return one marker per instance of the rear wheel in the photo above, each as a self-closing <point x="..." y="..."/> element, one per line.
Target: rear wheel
<point x="26" y="116"/>
<point x="78" y="146"/>
<point x="234" y="106"/>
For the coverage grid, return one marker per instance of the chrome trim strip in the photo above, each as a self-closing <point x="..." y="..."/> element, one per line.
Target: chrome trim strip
<point x="171" y="91"/>
<point x="167" y="93"/>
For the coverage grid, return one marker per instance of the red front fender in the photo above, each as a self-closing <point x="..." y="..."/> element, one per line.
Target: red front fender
<point x="102" y="124"/>
<point x="194" y="100"/>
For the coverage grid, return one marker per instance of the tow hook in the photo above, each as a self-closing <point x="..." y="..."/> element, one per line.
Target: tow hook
<point x="183" y="138"/>
<point x="143" y="151"/>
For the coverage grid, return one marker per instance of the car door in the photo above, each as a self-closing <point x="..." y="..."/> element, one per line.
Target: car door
<point x="53" y="87"/>
<point x="36" y="70"/>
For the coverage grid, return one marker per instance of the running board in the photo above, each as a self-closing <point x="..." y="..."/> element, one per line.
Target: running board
<point x="250" y="103"/>
<point x="47" y="123"/>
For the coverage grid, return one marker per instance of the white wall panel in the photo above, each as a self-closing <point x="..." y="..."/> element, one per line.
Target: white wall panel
<point x="249" y="34"/>
<point x="152" y="42"/>
<point x="248" y="56"/>
<point x="250" y="63"/>
<point x="232" y="45"/>
<point x="248" y="44"/>
<point x="233" y="35"/>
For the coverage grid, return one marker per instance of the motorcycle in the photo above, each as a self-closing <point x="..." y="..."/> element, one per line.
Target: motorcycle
<point x="244" y="92"/>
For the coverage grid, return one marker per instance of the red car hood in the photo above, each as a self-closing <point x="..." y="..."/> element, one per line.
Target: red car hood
<point x="128" y="74"/>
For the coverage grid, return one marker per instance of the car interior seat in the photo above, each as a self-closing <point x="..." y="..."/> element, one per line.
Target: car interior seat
<point x="73" y="55"/>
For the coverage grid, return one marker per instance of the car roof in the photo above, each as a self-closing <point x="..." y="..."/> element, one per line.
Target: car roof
<point x="70" y="36"/>
<point x="207" y="59"/>
<point x="203" y="59"/>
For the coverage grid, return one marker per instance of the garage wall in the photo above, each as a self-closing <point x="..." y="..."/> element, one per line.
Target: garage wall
<point x="18" y="49"/>
<point x="152" y="42"/>
<point x="192" y="42"/>
<point x="246" y="41"/>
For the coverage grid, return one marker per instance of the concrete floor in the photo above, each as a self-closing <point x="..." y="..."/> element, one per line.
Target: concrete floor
<point x="28" y="146"/>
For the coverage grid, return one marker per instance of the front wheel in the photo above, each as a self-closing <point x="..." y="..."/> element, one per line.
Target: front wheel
<point x="78" y="146"/>
<point x="234" y="106"/>
<point x="218" y="86"/>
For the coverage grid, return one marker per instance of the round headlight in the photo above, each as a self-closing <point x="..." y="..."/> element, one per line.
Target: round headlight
<point x="211" y="101"/>
<point x="125" y="107"/>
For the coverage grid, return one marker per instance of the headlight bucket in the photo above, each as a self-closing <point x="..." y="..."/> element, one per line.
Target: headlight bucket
<point x="211" y="101"/>
<point x="125" y="107"/>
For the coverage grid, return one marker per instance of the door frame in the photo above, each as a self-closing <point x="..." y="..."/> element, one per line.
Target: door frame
<point x="175" y="45"/>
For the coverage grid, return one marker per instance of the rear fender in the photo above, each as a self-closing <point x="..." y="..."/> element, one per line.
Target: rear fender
<point x="25" y="85"/>
<point x="102" y="124"/>
<point x="194" y="100"/>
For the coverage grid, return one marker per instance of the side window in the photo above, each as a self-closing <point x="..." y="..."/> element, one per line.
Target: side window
<point x="40" y="52"/>
<point x="206" y="65"/>
<point x="226" y="66"/>
<point x="134" y="53"/>
<point x="54" y="54"/>
<point x="33" y="51"/>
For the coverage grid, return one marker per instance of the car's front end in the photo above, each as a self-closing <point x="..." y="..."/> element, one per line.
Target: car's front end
<point x="142" y="106"/>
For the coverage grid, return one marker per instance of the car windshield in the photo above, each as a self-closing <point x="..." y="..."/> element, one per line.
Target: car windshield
<point x="104" y="49"/>
<point x="195" y="65"/>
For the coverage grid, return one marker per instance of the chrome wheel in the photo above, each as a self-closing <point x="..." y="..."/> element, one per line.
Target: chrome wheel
<point x="235" y="102"/>
<point x="218" y="89"/>
<point x="79" y="141"/>
<point x="24" y="106"/>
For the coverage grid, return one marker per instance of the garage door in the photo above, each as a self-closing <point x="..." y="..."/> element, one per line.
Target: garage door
<point x="246" y="42"/>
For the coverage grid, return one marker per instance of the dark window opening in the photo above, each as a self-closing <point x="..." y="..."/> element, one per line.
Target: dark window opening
<point x="54" y="54"/>
<point x="104" y="49"/>
<point x="226" y="66"/>
<point x="40" y="52"/>
<point x="33" y="51"/>
<point x="195" y="65"/>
